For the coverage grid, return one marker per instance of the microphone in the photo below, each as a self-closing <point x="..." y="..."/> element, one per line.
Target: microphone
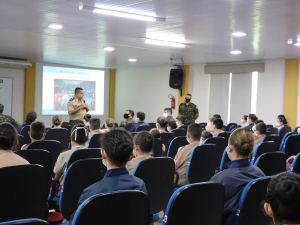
<point x="84" y="102"/>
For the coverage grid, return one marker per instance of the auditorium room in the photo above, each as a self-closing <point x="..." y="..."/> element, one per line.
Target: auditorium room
<point x="150" y="112"/>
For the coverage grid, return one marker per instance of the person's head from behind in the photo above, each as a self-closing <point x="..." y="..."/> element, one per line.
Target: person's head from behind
<point x="217" y="124"/>
<point x="261" y="128"/>
<point x="8" y="137"/>
<point x="30" y="117"/>
<point x="155" y="132"/>
<point x="140" y="116"/>
<point x="79" y="134"/>
<point x="172" y="125"/>
<point x="216" y="116"/>
<point x="180" y="120"/>
<point x="56" y="121"/>
<point x="79" y="93"/>
<point x="109" y="123"/>
<point x="117" y="147"/>
<point x="204" y="135"/>
<point x="1" y="108"/>
<point x="167" y="112"/>
<point x="252" y="118"/>
<point x="194" y="131"/>
<point x="87" y="117"/>
<point x="129" y="114"/>
<point x="143" y="142"/>
<point x="240" y="144"/>
<point x="37" y="130"/>
<point x="281" y="120"/>
<point x="188" y="98"/>
<point x="95" y="123"/>
<point x="161" y="123"/>
<point x="255" y="123"/>
<point x="244" y="119"/>
<point x="283" y="198"/>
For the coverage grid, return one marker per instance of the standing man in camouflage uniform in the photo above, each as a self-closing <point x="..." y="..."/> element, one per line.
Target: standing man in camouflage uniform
<point x="168" y="114"/>
<point x="77" y="107"/>
<point x="188" y="110"/>
<point x="7" y="119"/>
<point x="128" y="116"/>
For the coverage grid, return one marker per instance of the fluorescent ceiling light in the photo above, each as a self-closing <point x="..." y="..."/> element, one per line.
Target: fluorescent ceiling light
<point x="239" y="34"/>
<point x="297" y="44"/>
<point x="132" y="60"/>
<point x="109" y="49"/>
<point x="236" y="52"/>
<point x="161" y="42"/>
<point x="55" y="26"/>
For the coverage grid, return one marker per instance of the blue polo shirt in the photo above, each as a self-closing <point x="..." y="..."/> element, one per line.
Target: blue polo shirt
<point x="234" y="178"/>
<point x="250" y="126"/>
<point x="136" y="125"/>
<point x="114" y="180"/>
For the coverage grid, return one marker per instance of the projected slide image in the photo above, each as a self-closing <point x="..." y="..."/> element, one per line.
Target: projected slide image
<point x="64" y="91"/>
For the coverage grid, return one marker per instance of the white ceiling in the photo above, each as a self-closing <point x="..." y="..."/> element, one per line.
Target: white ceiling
<point x="205" y="24"/>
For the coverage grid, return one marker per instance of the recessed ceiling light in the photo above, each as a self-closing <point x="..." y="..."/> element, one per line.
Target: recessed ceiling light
<point x="132" y="60"/>
<point x="238" y="34"/>
<point x="297" y="44"/>
<point x="235" y="52"/>
<point x="109" y="49"/>
<point x="55" y="26"/>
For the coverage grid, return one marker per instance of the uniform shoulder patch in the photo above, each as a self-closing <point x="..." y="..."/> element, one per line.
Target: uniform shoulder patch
<point x="71" y="99"/>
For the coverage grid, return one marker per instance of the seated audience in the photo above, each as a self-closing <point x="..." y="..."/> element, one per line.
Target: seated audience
<point x="117" y="150"/>
<point x="79" y="136"/>
<point x="217" y="127"/>
<point x="8" y="141"/>
<point x="209" y="125"/>
<point x="283" y="199"/>
<point x="57" y="121"/>
<point x="143" y="144"/>
<point x="86" y="119"/>
<point x="260" y="134"/>
<point x="109" y="124"/>
<point x="156" y="134"/>
<point x="128" y="116"/>
<point x="168" y="114"/>
<point x="161" y="124"/>
<point x="216" y="116"/>
<point x="205" y="134"/>
<point x="238" y="172"/>
<point x="94" y="126"/>
<point x="251" y="118"/>
<point x="244" y="121"/>
<point x="281" y="122"/>
<point x="6" y="118"/>
<point x="140" y="117"/>
<point x="180" y="121"/>
<point x="36" y="133"/>
<point x="30" y="118"/>
<point x="171" y="126"/>
<point x="182" y="157"/>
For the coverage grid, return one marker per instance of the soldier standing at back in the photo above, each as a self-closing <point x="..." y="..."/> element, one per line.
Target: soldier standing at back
<point x="7" y="119"/>
<point x="128" y="116"/>
<point x="77" y="107"/>
<point x="188" y="110"/>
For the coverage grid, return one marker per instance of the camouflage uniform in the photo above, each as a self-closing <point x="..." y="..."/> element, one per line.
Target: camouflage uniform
<point x="189" y="112"/>
<point x="8" y="119"/>
<point x="129" y="120"/>
<point x="170" y="118"/>
<point x="77" y="117"/>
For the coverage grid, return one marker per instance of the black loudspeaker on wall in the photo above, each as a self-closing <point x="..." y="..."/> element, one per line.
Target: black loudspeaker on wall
<point x="176" y="78"/>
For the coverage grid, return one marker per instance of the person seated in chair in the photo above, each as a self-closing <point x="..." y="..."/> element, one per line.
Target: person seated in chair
<point x="180" y="121"/>
<point x="94" y="126"/>
<point x="140" y="117"/>
<point x="171" y="126"/>
<point x="217" y="116"/>
<point x="281" y="122"/>
<point x="260" y="134"/>
<point x="56" y="122"/>
<point x="210" y="124"/>
<point x="238" y="172"/>
<point x="251" y="119"/>
<point x="182" y="157"/>
<point x="79" y="136"/>
<point x="168" y="114"/>
<point x="86" y="119"/>
<point x="117" y="150"/>
<point x="161" y="124"/>
<point x="157" y="134"/>
<point x="143" y="145"/>
<point x="205" y="134"/>
<point x="254" y="126"/>
<point x="36" y="133"/>
<point x="217" y="127"/>
<point x="244" y="121"/>
<point x="128" y="116"/>
<point x="8" y="142"/>
<point x="30" y="118"/>
<point x="109" y="124"/>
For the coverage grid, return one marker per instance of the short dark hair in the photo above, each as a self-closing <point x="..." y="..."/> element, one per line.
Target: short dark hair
<point x="282" y="119"/>
<point x="130" y="112"/>
<point x="79" y="134"/>
<point x="261" y="127"/>
<point x="245" y="117"/>
<point x="8" y="136"/>
<point x="206" y="134"/>
<point x="181" y="118"/>
<point x="141" y="116"/>
<point x="95" y="123"/>
<point x="77" y="90"/>
<point x="87" y="117"/>
<point x="37" y="130"/>
<point x="217" y="116"/>
<point x="195" y="131"/>
<point x="172" y="124"/>
<point x="145" y="140"/>
<point x="162" y="121"/>
<point x="169" y="110"/>
<point x="30" y="117"/>
<point x="1" y="108"/>
<point x="189" y="94"/>
<point x="118" y="146"/>
<point x="155" y="133"/>
<point x="258" y="121"/>
<point x="218" y="123"/>
<point x="253" y="117"/>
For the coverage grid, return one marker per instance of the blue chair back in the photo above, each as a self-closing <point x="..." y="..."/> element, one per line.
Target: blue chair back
<point x="200" y="203"/>
<point x="284" y="138"/>
<point x="86" y="153"/>
<point x="24" y="133"/>
<point x="175" y="144"/>
<point x="229" y="126"/>
<point x="26" y="222"/>
<point x="224" y="160"/>
<point x="128" y="126"/>
<point x="143" y="128"/>
<point x="157" y="147"/>
<point x="274" y="138"/>
<point x="221" y="144"/>
<point x="296" y="164"/>
<point x="292" y="145"/>
<point x="262" y="148"/>
<point x="249" y="210"/>
<point x="225" y="134"/>
<point x="273" y="130"/>
<point x="269" y="126"/>
<point x="203" y="125"/>
<point x="94" y="141"/>
<point x="283" y="131"/>
<point x="271" y="163"/>
<point x="296" y="129"/>
<point x="179" y="132"/>
<point x="232" y="128"/>
<point x="202" y="163"/>
<point x="59" y="134"/>
<point x="132" y="208"/>
<point x="152" y="125"/>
